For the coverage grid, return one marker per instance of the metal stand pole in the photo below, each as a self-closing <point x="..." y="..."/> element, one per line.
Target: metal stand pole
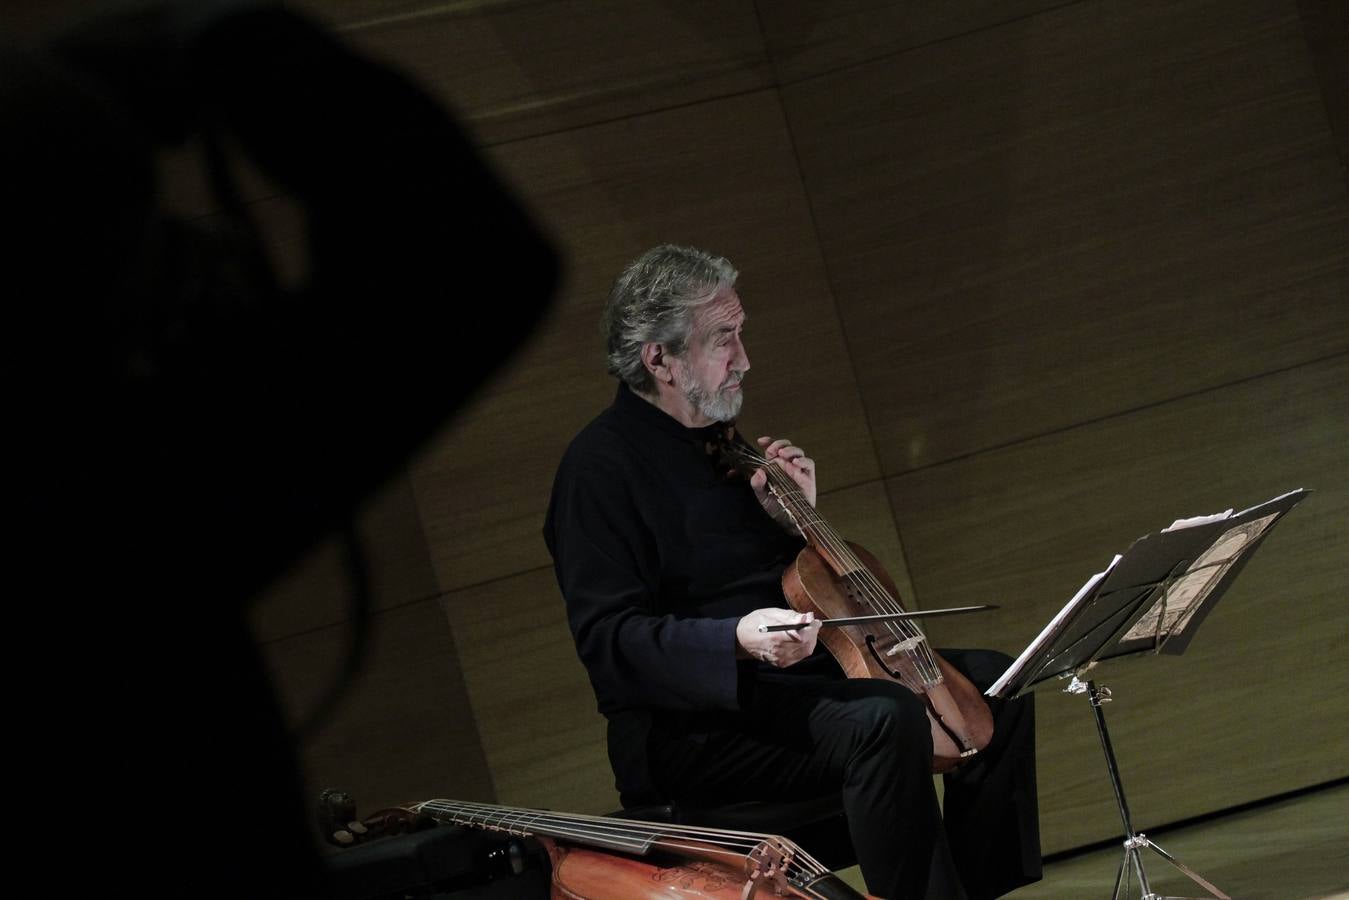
<point x="1134" y="842"/>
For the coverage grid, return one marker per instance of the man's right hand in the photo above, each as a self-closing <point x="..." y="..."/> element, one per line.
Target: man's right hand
<point x="781" y="648"/>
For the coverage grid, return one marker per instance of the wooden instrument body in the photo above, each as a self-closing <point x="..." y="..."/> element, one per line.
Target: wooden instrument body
<point x="608" y="858"/>
<point x="582" y="873"/>
<point x="821" y="582"/>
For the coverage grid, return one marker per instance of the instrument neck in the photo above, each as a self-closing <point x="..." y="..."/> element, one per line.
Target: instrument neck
<point x="813" y="527"/>
<point x="593" y="831"/>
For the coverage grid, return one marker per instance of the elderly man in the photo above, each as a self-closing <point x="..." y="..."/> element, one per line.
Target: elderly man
<point x="669" y="569"/>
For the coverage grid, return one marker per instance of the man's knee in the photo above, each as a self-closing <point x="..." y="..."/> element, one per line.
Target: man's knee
<point x="891" y="715"/>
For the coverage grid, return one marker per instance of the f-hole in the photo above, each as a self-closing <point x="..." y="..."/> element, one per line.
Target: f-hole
<point x="871" y="645"/>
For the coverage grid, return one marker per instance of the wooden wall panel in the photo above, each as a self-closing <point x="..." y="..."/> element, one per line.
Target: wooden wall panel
<point x="347" y="14"/>
<point x="862" y="515"/>
<point x="807" y="38"/>
<point x="1074" y="215"/>
<point x="719" y="175"/>
<point x="404" y="731"/>
<point x="517" y="69"/>
<point x="531" y="699"/>
<point x="1025" y="526"/>
<point x="1326" y="26"/>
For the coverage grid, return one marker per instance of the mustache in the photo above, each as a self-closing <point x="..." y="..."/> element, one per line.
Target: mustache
<point x="734" y="379"/>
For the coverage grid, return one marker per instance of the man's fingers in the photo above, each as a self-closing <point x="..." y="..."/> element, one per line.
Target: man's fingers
<point x="806" y="621"/>
<point x="790" y="457"/>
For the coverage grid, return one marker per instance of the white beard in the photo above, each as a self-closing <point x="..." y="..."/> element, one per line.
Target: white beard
<point x="720" y="407"/>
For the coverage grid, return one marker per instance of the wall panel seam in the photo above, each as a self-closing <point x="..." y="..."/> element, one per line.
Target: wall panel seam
<point x="900" y="51"/>
<point x="991" y="448"/>
<point x="842" y="327"/>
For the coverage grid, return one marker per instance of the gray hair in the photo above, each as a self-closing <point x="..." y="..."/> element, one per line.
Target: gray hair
<point x="653" y="301"/>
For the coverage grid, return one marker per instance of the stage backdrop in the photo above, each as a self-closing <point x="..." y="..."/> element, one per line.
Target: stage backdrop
<point x="1029" y="279"/>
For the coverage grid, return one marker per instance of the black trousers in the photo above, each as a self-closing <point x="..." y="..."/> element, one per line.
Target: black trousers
<point x="803" y="736"/>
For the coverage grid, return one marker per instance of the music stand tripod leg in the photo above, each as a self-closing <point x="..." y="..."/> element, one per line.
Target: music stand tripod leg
<point x="1122" y="878"/>
<point x="1194" y="876"/>
<point x="1133" y="841"/>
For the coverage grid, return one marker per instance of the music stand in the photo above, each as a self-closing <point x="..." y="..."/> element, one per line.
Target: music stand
<point x="1151" y="599"/>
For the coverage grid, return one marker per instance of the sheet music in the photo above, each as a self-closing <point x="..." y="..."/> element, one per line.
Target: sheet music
<point x="1049" y="631"/>
<point x="1189" y="564"/>
<point x="1198" y="520"/>
<point x="1187" y="592"/>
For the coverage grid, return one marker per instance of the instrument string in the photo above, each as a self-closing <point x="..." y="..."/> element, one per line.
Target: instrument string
<point x="875" y="594"/>
<point x="634" y="835"/>
<point x="908" y="635"/>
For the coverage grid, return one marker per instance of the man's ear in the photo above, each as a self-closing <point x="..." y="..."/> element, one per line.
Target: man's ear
<point x="657" y="362"/>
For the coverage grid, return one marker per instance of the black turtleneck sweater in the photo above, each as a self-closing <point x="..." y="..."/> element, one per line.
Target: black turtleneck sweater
<point x="659" y="556"/>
